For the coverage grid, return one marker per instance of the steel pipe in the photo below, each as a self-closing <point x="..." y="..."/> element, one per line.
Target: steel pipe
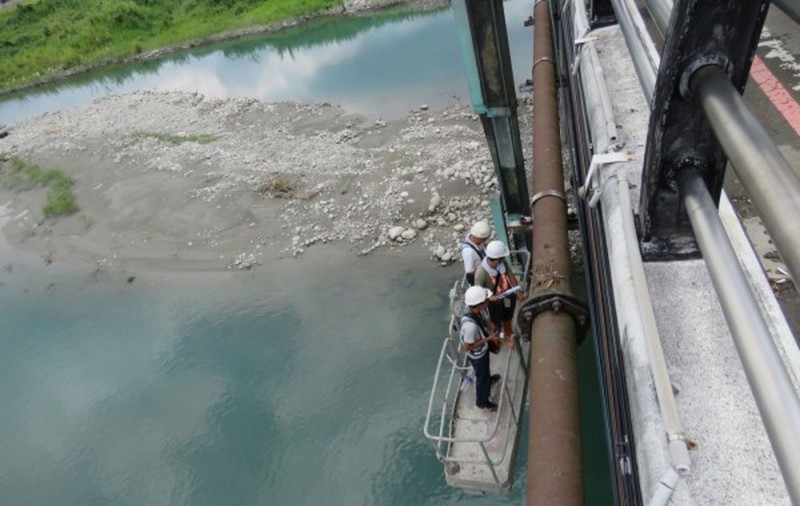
<point x="770" y="181"/>
<point x="660" y="11"/>
<point x="772" y="388"/>
<point x="641" y="54"/>
<point x="554" y="448"/>
<point x="790" y="7"/>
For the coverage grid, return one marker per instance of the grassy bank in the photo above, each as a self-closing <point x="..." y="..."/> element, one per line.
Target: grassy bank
<point x="59" y="201"/>
<point x="47" y="37"/>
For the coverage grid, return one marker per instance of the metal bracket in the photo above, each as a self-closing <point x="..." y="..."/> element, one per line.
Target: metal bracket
<point x="584" y="40"/>
<point x="576" y="64"/>
<point x="555" y="302"/>
<point x="548" y="193"/>
<point x="597" y="161"/>
<point x="540" y="60"/>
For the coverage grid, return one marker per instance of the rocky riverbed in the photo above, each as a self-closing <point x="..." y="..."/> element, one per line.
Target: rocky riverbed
<point x="180" y="181"/>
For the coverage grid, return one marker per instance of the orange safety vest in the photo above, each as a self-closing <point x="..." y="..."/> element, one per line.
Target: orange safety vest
<point x="501" y="282"/>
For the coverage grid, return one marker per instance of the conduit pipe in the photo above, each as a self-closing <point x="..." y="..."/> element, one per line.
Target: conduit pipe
<point x="601" y="115"/>
<point x="773" y="391"/>
<point x="554" y="448"/>
<point x="636" y="288"/>
<point x="678" y="451"/>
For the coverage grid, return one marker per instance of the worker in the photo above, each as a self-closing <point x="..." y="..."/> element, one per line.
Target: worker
<point x="495" y="274"/>
<point x="472" y="249"/>
<point x="478" y="336"/>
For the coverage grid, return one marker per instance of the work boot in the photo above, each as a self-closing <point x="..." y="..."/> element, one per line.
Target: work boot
<point x="489" y="406"/>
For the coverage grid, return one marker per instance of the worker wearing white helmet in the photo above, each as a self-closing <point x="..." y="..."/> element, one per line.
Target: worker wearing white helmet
<point x="472" y="249"/>
<point x="495" y="274"/>
<point x="478" y="336"/>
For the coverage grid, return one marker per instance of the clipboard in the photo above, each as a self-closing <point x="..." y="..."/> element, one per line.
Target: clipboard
<point x="510" y="291"/>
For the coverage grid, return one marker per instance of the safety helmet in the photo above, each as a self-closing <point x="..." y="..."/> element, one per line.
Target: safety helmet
<point x="496" y="249"/>
<point x="480" y="229"/>
<point x="476" y="295"/>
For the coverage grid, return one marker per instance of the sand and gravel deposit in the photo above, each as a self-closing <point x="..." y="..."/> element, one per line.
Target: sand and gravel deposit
<point x="277" y="180"/>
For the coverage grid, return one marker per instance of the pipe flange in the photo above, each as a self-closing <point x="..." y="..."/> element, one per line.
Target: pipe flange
<point x="548" y="193"/>
<point x="718" y="60"/>
<point x="555" y="302"/>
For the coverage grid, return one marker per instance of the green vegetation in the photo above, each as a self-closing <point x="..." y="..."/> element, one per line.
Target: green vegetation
<point x="45" y="37"/>
<point x="59" y="201"/>
<point x="177" y="139"/>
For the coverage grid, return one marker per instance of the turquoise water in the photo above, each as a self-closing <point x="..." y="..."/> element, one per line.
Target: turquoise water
<point x="380" y="65"/>
<point x="309" y="387"/>
<point x="301" y="383"/>
<point x="305" y="385"/>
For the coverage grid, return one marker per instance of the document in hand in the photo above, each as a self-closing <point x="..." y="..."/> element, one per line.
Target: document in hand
<point x="510" y="291"/>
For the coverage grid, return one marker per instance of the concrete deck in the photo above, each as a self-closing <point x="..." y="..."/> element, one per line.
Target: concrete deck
<point x="733" y="462"/>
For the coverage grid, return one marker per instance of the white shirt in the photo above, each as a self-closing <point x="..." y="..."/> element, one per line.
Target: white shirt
<point x="471" y="333"/>
<point x="471" y="258"/>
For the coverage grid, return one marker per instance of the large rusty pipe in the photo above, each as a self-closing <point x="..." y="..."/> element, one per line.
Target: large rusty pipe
<point x="554" y="449"/>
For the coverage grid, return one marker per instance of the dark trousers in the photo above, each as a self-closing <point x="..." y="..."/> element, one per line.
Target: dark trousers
<point x="499" y="313"/>
<point x="483" y="379"/>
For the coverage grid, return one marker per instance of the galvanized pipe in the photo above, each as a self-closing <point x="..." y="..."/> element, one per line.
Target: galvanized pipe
<point x="660" y="10"/>
<point x="554" y="449"/>
<point x="775" y="396"/>
<point x="790" y="7"/>
<point x="770" y="181"/>
<point x="641" y="53"/>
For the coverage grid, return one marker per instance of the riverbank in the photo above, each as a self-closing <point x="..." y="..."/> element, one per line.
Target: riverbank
<point x="179" y="181"/>
<point x="41" y="49"/>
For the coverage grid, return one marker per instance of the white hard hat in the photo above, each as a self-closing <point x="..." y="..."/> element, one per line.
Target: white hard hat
<point x="496" y="249"/>
<point x="480" y="229"/>
<point x="476" y="295"/>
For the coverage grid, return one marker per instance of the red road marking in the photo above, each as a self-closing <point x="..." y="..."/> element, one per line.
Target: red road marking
<point x="777" y="94"/>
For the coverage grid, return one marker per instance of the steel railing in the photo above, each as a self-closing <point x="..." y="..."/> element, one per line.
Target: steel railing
<point x="775" y="190"/>
<point x="450" y="377"/>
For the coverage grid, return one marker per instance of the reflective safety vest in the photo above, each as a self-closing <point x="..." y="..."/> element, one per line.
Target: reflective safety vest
<point x="501" y="282"/>
<point x="476" y="353"/>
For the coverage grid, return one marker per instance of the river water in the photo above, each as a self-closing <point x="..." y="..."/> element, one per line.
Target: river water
<point x="380" y="65"/>
<point x="300" y="383"/>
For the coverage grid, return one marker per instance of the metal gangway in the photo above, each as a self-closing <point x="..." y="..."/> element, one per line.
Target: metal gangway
<point x="478" y="448"/>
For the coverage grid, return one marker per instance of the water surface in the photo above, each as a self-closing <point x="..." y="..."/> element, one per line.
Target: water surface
<point x="300" y="383"/>
<point x="305" y="386"/>
<point x="378" y="65"/>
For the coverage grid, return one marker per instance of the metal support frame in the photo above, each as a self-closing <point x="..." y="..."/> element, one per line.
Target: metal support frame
<point x="679" y="135"/>
<point x="600" y="11"/>
<point x="484" y="45"/>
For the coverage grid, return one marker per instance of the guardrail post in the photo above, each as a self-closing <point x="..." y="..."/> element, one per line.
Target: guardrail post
<point x="679" y="136"/>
